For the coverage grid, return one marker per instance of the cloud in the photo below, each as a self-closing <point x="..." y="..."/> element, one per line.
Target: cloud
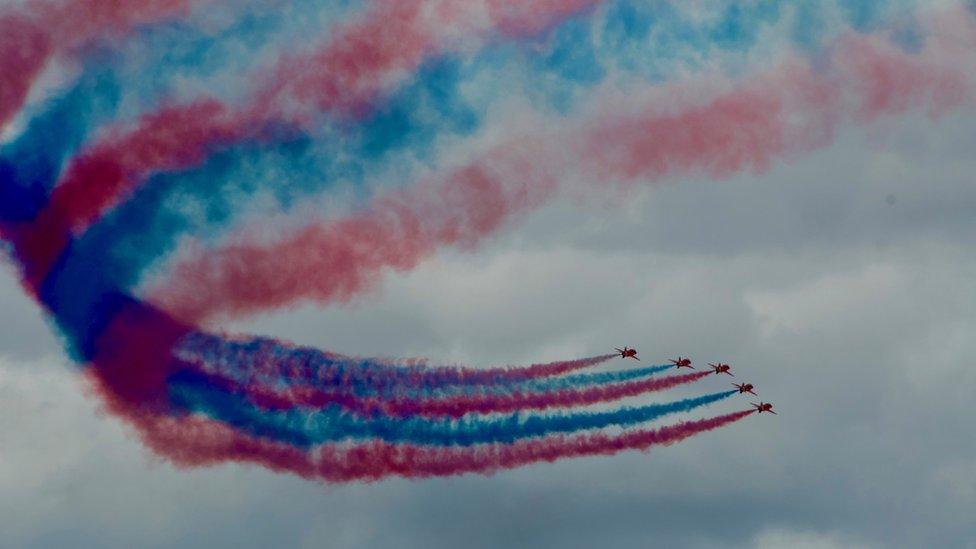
<point x="25" y="334"/>
<point x="777" y="539"/>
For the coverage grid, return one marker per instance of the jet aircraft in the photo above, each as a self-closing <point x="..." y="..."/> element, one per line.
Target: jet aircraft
<point x="627" y="352"/>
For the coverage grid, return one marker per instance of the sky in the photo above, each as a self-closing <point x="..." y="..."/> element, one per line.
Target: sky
<point x="840" y="281"/>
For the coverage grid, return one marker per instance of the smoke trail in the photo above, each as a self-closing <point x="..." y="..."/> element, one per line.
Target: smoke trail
<point x="343" y="77"/>
<point x="300" y="428"/>
<point x="423" y="462"/>
<point x="185" y="135"/>
<point x="214" y="443"/>
<point x="30" y="35"/>
<point x="156" y="241"/>
<point x="192" y="396"/>
<point x="539" y="385"/>
<point x="584" y="380"/>
<point x="790" y="110"/>
<point x="458" y="406"/>
<point x="353" y="69"/>
<point x="29" y="164"/>
<point x="298" y="380"/>
<point x="263" y="360"/>
<point x="588" y="387"/>
<point x="482" y="402"/>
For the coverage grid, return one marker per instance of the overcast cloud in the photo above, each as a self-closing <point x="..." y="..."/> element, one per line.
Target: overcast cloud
<point x="842" y="283"/>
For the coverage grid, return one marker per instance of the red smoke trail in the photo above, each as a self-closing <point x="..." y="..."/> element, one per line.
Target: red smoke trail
<point x="275" y="367"/>
<point x="102" y="173"/>
<point x="397" y="232"/>
<point x="195" y="442"/>
<point x="369" y="54"/>
<point x="365" y="58"/>
<point x="533" y="17"/>
<point x="32" y="33"/>
<point x="790" y="110"/>
<point x="459" y="405"/>
<point x="382" y="459"/>
<point x="167" y="139"/>
<point x="75" y="21"/>
<point x="24" y="48"/>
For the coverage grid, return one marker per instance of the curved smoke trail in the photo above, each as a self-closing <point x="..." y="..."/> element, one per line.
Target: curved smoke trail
<point x="376" y="460"/>
<point x="128" y="190"/>
<point x="510" y="399"/>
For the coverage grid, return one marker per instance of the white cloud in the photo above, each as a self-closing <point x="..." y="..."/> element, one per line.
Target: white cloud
<point x="787" y="539"/>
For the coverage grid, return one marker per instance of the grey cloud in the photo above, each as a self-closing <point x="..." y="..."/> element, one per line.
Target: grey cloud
<point x="24" y="334"/>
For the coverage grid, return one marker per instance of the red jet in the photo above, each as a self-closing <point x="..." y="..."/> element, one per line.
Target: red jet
<point x="721" y="368"/>
<point x="627" y="352"/>
<point x="744" y="388"/>
<point x="763" y="407"/>
<point x="682" y="363"/>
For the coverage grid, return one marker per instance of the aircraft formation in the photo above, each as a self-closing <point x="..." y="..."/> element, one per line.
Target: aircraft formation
<point x="720" y="368"/>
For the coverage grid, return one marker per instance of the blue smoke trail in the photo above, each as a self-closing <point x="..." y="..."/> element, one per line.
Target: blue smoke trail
<point x="406" y="127"/>
<point x="332" y="424"/>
